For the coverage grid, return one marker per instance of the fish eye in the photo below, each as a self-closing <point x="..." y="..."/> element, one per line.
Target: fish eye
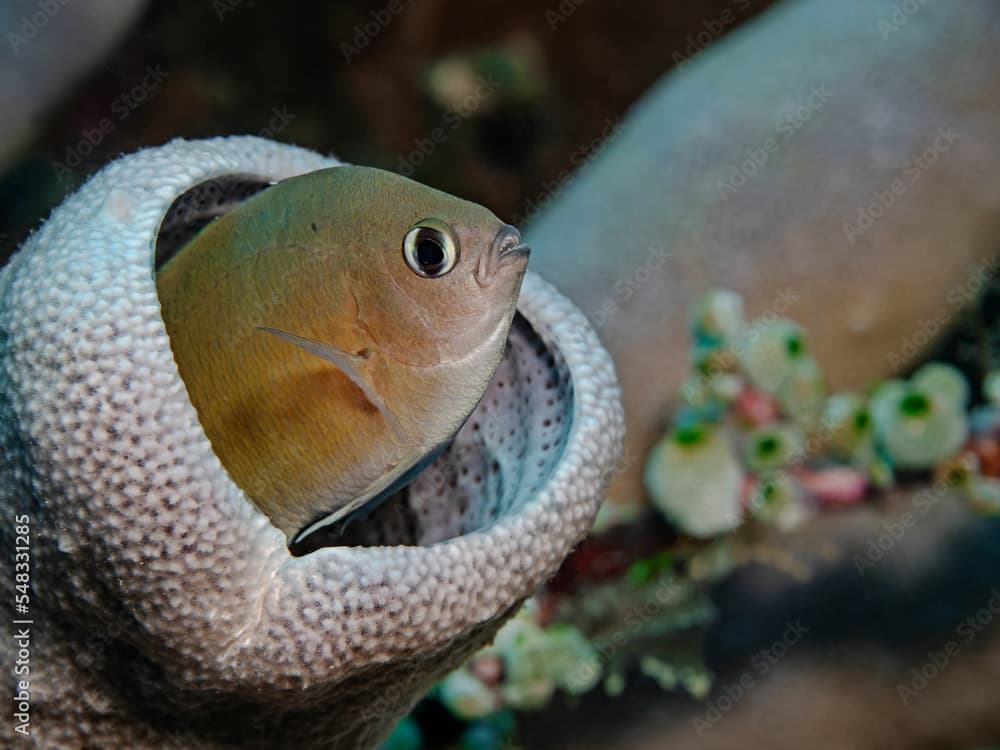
<point x="430" y="249"/>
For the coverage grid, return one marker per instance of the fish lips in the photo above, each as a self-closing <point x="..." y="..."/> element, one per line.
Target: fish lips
<point x="513" y="254"/>
<point x="507" y="249"/>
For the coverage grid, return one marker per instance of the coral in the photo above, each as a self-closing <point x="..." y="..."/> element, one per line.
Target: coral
<point x="694" y="477"/>
<point x="168" y="609"/>
<point x="756" y="385"/>
<point x="923" y="421"/>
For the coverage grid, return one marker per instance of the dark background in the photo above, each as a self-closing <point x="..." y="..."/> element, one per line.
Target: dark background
<point x="245" y="66"/>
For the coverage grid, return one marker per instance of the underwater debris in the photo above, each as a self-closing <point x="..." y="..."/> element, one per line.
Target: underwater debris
<point x="514" y="69"/>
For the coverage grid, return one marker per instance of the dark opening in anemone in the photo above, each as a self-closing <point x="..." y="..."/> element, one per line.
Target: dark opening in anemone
<point x="196" y="208"/>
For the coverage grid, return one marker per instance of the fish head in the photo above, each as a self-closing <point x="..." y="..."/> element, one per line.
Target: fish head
<point x="441" y="275"/>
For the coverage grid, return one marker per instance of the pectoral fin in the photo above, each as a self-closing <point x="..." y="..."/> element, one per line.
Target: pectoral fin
<point x="346" y="362"/>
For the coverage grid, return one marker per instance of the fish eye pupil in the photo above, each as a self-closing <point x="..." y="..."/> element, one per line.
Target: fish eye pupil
<point x="428" y="251"/>
<point x="430" y="254"/>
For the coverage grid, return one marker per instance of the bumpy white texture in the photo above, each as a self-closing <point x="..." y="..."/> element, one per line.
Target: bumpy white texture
<point x="168" y="610"/>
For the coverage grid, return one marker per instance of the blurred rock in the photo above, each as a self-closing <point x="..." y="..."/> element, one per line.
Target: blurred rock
<point x="832" y="161"/>
<point x="49" y="45"/>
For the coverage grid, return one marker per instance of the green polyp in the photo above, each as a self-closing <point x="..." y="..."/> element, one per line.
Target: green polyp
<point x="862" y="421"/>
<point x="643" y="571"/>
<point x="768" y="493"/>
<point x="690" y="435"/>
<point x="795" y="346"/>
<point x="957" y="476"/>
<point x="768" y="446"/>
<point x="914" y="404"/>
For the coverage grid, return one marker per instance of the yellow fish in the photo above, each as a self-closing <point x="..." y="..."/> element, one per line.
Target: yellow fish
<point x="337" y="329"/>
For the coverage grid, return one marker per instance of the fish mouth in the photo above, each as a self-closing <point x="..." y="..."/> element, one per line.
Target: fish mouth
<point x="506" y="250"/>
<point x="512" y="254"/>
